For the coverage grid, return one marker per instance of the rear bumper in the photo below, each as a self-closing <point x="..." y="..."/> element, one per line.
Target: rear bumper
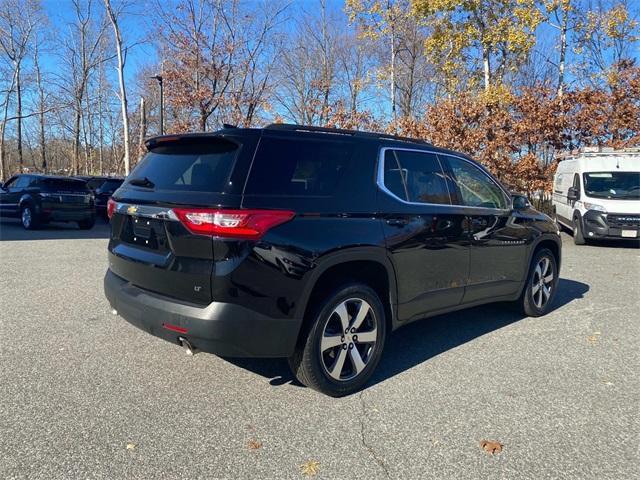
<point x="224" y="329"/>
<point x="66" y="215"/>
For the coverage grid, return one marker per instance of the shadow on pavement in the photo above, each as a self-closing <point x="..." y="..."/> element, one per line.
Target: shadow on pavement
<point x="629" y="243"/>
<point x="419" y="341"/>
<point x="12" y="230"/>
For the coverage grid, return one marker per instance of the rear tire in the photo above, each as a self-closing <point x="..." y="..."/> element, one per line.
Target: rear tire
<point x="342" y="345"/>
<point x="578" y="236"/>
<point x="87" y="224"/>
<point x="542" y="282"/>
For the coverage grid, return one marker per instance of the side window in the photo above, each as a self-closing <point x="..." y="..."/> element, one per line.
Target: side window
<point x="415" y="177"/>
<point x="476" y="188"/>
<point x="21" y="182"/>
<point x="576" y="182"/>
<point x="298" y="167"/>
<point x="11" y="182"/>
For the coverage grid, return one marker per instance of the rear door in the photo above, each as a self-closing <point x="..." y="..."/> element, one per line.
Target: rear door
<point x="426" y="235"/>
<point x="149" y="246"/>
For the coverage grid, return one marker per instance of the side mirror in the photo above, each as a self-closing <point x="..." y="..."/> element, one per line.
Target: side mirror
<point x="520" y="202"/>
<point x="573" y="194"/>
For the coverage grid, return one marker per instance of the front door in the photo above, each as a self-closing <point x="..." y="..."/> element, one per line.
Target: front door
<point x="425" y="234"/>
<point x="10" y="196"/>
<point x="499" y="236"/>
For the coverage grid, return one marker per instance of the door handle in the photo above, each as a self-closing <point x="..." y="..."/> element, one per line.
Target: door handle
<point x="397" y="222"/>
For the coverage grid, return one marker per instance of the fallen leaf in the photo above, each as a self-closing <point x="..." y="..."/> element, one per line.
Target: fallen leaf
<point x="131" y="446"/>
<point x="254" y="444"/>
<point x="310" y="468"/>
<point x="491" y="446"/>
<point x="592" y="339"/>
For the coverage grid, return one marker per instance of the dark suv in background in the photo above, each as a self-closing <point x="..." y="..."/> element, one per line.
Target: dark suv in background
<point x="314" y="244"/>
<point x="37" y="199"/>
<point x="103" y="193"/>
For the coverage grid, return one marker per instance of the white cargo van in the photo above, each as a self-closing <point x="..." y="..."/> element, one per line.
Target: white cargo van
<point x="596" y="194"/>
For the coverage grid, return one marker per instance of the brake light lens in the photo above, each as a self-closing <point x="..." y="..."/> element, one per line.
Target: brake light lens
<point x="244" y="224"/>
<point x="111" y="207"/>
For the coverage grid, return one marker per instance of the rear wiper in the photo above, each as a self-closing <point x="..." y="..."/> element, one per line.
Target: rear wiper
<point x="142" y="182"/>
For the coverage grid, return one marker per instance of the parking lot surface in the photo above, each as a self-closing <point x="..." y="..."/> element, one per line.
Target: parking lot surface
<point x="83" y="394"/>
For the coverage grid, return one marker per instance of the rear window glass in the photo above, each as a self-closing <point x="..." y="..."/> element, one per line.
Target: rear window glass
<point x="298" y="167"/>
<point x="197" y="168"/>
<point x="64" y="185"/>
<point x="95" y="183"/>
<point x="111" y="185"/>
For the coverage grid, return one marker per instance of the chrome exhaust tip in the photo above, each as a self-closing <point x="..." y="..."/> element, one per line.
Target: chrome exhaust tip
<point x="188" y="348"/>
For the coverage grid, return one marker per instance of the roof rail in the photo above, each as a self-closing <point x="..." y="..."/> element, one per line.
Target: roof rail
<point x="339" y="131"/>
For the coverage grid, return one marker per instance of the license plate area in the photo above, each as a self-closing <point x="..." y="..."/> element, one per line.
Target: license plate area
<point x="145" y="232"/>
<point x="72" y="199"/>
<point x="629" y="233"/>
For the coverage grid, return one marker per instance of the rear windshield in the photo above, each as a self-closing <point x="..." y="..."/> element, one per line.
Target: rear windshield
<point x="63" y="185"/>
<point x="196" y="168"/>
<point x="298" y="167"/>
<point x="111" y="185"/>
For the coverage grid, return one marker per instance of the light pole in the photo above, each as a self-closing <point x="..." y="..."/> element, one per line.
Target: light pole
<point x="159" y="79"/>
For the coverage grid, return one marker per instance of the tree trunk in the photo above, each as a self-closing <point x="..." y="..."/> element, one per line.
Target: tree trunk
<point x="563" y="48"/>
<point x="100" y="131"/>
<point x="393" y="61"/>
<point x="19" y="115"/>
<point x="123" y="92"/>
<point x="41" y="102"/>
<point x="76" y="141"/>
<point x="3" y="168"/>
<point x="143" y="126"/>
<point x="487" y="68"/>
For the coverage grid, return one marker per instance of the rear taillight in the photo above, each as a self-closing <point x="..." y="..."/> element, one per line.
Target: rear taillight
<point x="111" y="207"/>
<point x="247" y="224"/>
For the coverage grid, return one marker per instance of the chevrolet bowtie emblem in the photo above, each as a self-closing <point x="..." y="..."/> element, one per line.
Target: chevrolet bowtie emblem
<point x="131" y="209"/>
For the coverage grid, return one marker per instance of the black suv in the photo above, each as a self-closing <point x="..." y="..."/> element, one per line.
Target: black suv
<point x="38" y="199"/>
<point x="103" y="194"/>
<point x="313" y="244"/>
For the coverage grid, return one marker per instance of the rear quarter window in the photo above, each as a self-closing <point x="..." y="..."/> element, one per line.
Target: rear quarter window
<point x="298" y="167"/>
<point x="201" y="167"/>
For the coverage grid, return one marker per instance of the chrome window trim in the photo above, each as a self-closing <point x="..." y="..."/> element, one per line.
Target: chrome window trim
<point x="381" y="185"/>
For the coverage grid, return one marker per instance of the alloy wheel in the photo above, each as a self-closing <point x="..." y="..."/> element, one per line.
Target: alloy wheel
<point x="26" y="217"/>
<point x="349" y="339"/>
<point x="542" y="282"/>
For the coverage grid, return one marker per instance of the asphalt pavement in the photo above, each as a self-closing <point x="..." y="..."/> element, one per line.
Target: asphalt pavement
<point x="83" y="394"/>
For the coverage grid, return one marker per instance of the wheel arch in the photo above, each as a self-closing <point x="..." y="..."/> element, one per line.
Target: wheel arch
<point x="551" y="242"/>
<point x="370" y="265"/>
<point x="26" y="199"/>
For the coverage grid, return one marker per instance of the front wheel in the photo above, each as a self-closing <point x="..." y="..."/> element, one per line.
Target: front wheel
<point x="578" y="236"/>
<point x="540" y="289"/>
<point x="28" y="218"/>
<point x="343" y="343"/>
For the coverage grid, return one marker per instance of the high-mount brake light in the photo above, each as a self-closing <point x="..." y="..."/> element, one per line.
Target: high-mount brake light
<point x="243" y="224"/>
<point x="111" y="207"/>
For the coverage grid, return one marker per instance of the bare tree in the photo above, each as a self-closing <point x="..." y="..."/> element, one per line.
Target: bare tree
<point x="18" y="19"/>
<point x="84" y="52"/>
<point x="113" y="17"/>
